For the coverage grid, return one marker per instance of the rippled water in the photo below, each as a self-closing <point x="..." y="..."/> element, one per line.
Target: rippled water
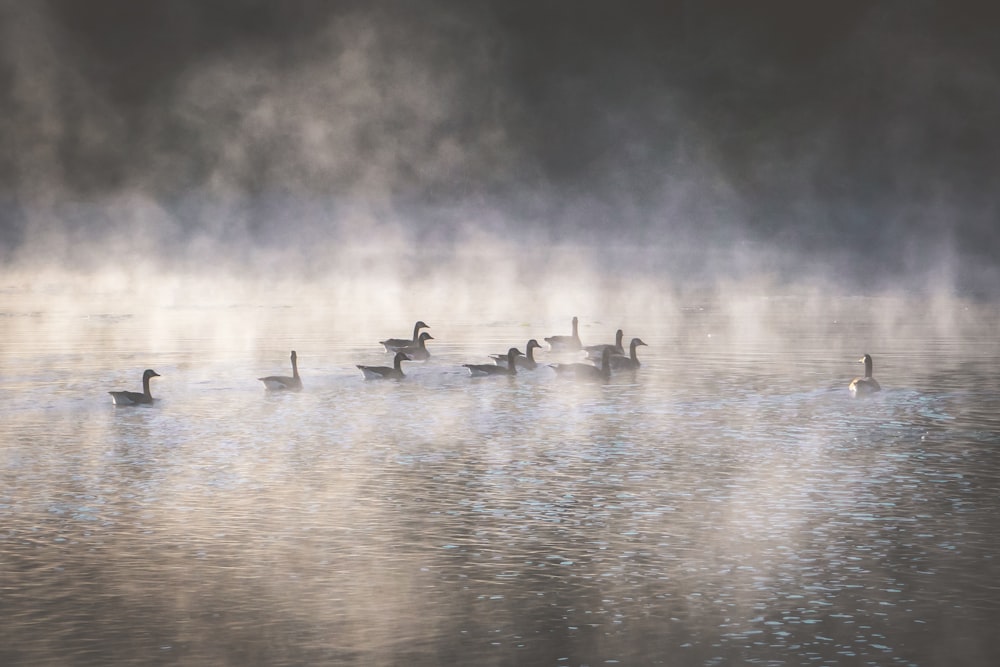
<point x="726" y="504"/>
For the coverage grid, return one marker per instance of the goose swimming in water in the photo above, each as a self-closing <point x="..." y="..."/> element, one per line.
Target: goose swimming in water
<point x="283" y="382"/>
<point x="385" y="372"/>
<point x="510" y="368"/>
<point x="867" y="384"/>
<point x="594" y="351"/>
<point x="631" y="362"/>
<point x="134" y="397"/>
<point x="524" y="361"/>
<point x="395" y="344"/>
<point x="586" y="371"/>
<point x="418" y="351"/>
<point x="566" y="343"/>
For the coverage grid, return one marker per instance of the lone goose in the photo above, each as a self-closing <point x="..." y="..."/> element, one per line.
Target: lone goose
<point x="384" y="372"/>
<point x="631" y="362"/>
<point x="867" y="384"/>
<point x="134" y="397"/>
<point x="586" y="371"/>
<point x="594" y="351"/>
<point x="525" y="361"/>
<point x="418" y="351"/>
<point x="493" y="369"/>
<point x="394" y="344"/>
<point x="283" y="382"/>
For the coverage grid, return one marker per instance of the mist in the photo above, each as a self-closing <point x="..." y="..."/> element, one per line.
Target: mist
<point x="761" y="192"/>
<point x="847" y="148"/>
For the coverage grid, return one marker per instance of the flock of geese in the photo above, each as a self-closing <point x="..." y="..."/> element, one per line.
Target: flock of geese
<point x="604" y="359"/>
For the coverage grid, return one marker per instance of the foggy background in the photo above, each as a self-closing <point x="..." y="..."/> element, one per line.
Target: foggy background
<point x="852" y="144"/>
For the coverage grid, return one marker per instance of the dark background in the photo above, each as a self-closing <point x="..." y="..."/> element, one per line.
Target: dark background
<point x="859" y="138"/>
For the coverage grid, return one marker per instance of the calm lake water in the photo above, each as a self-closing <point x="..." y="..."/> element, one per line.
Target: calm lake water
<point x="726" y="504"/>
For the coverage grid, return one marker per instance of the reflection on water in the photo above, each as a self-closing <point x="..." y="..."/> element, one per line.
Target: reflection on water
<point x="726" y="504"/>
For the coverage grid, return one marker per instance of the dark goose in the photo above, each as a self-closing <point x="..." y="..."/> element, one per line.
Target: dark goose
<point x="395" y="372"/>
<point x="594" y="351"/>
<point x="586" y="371"/>
<point x="493" y="369"/>
<point x="134" y="397"/>
<point x="418" y="351"/>
<point x="569" y="343"/>
<point x="867" y="384"/>
<point x="283" y="382"/>
<point x="394" y="344"/>
<point x="631" y="362"/>
<point x="524" y="361"/>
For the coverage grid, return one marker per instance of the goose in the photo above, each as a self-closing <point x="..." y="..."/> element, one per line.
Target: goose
<point x="283" y="382"/>
<point x="566" y="343"/>
<point x="418" y="351"/>
<point x="134" y="397"/>
<point x="395" y="344"/>
<point x="524" y="361"/>
<point x="631" y="362"/>
<point x="867" y="384"/>
<point x="594" y="351"/>
<point x="586" y="371"/>
<point x="385" y="372"/>
<point x="493" y="369"/>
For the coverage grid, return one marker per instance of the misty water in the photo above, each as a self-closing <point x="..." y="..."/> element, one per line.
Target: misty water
<point x="728" y="503"/>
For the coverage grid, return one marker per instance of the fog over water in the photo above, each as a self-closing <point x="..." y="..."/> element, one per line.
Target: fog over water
<point x="761" y="193"/>
<point x="851" y="145"/>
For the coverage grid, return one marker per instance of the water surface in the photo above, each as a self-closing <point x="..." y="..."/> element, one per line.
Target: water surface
<point x="726" y="504"/>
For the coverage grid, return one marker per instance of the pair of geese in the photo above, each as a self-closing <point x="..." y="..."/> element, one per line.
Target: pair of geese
<point x="272" y="382"/>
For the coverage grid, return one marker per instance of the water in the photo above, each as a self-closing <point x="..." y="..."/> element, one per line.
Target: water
<point x="726" y="504"/>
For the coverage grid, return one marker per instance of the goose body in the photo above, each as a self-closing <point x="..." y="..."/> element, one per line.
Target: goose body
<point x="631" y="362"/>
<point x="135" y="397"/>
<point x="493" y="369"/>
<point x="283" y="382"/>
<point x="586" y="371"/>
<point x="525" y="361"/>
<point x="594" y="351"/>
<point x="866" y="384"/>
<point x="395" y="372"/>
<point x="418" y="351"/>
<point x="395" y="344"/>
<point x="566" y="343"/>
